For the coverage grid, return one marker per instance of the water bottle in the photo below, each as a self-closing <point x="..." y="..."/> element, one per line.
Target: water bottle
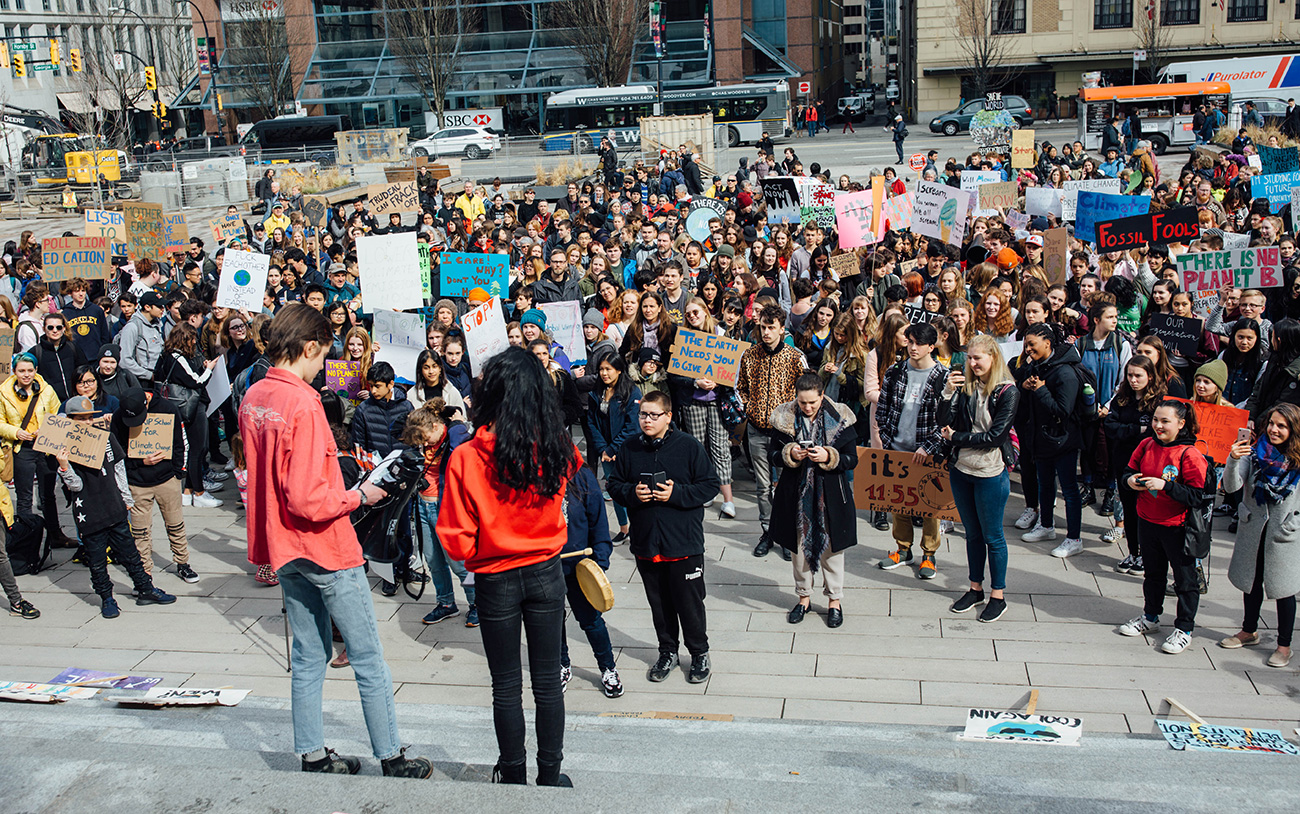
<point x="1089" y="395"/>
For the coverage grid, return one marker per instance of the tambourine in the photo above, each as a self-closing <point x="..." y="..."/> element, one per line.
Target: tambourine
<point x="593" y="581"/>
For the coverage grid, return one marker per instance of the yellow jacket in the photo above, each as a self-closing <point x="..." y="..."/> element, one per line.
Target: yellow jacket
<point x="13" y="408"/>
<point x="470" y="206"/>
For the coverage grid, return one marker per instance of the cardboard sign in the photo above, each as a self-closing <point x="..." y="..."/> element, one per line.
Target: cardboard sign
<point x="153" y="436"/>
<point x="886" y="481"/>
<point x="1172" y="226"/>
<point x="940" y="212"/>
<point x="897" y="212"/>
<point x="230" y="227"/>
<point x="1182" y="334"/>
<point x="782" y="197"/>
<point x="1069" y="194"/>
<point x="1206" y="737"/>
<point x="399" y="196"/>
<point x="700" y="355"/>
<point x="971" y="180"/>
<point x="485" y="334"/>
<point x="853" y="219"/>
<point x="1095" y="207"/>
<point x="1018" y="727"/>
<point x="1056" y="254"/>
<point x="182" y="697"/>
<point x="845" y="265"/>
<point x="1001" y="195"/>
<point x="111" y="225"/>
<point x="1260" y="267"/>
<point x="1273" y="160"/>
<point x="314" y="209"/>
<point x="1217" y="427"/>
<point x="1022" y="149"/>
<point x="817" y="204"/>
<point x="1276" y="187"/>
<point x="85" y="442"/>
<point x="1043" y="201"/>
<point x="702" y="210"/>
<point x="63" y="258"/>
<point x="177" y="234"/>
<point x="462" y="271"/>
<point x="564" y="324"/>
<point x="146" y="234"/>
<point x="1295" y="207"/>
<point x="7" y="337"/>
<point x="390" y="272"/>
<point x="25" y="691"/>
<point x="243" y="280"/>
<point x="98" y="678"/>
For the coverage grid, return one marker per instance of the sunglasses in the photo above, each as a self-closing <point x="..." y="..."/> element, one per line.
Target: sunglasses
<point x="54" y="327"/>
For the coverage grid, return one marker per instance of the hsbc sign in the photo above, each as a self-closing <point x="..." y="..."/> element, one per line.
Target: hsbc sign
<point x="487" y="117"/>
<point x="251" y="10"/>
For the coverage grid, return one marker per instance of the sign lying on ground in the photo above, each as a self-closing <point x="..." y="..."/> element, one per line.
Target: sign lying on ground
<point x="886" y="481"/>
<point x="182" y="697"/>
<point x="1205" y="737"/>
<point x="700" y="355"/>
<point x="98" y="678"/>
<point x="1019" y="727"/>
<point x="46" y="693"/>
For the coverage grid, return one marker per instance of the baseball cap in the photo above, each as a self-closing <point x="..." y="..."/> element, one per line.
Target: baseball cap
<point x="79" y="405"/>
<point x="1034" y="240"/>
<point x="151" y="298"/>
<point x="133" y="407"/>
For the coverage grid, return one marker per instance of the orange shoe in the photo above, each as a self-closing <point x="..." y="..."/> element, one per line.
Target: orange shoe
<point x="927" y="569"/>
<point x="902" y="556"/>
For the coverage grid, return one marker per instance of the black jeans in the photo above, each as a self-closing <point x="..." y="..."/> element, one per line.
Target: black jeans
<point x="592" y="623"/>
<point x="1064" y="468"/>
<point x="1162" y="550"/>
<point x="213" y="446"/>
<point x="31" y="470"/>
<point x="675" y="591"/>
<point x="118" y="537"/>
<point x="1129" y="500"/>
<point x="531" y="596"/>
<point x="1254" y="601"/>
<point x="196" y="434"/>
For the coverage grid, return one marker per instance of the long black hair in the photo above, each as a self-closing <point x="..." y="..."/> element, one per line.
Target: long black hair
<point x="622" y="387"/>
<point x="1253" y="359"/>
<point x="534" y="450"/>
<point x="425" y="391"/>
<point x="1126" y="294"/>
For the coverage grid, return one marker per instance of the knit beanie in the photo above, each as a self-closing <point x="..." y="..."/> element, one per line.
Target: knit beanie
<point x="1217" y="372"/>
<point x="534" y="316"/>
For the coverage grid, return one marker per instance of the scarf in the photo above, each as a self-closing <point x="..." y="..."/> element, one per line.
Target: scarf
<point x="1274" y="477"/>
<point x="811" y="526"/>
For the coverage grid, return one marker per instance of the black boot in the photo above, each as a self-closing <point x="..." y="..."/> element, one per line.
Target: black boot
<point x="1087" y="494"/>
<point x="516" y="775"/>
<point x="1106" y="507"/>
<point x="548" y="774"/>
<point x="880" y="521"/>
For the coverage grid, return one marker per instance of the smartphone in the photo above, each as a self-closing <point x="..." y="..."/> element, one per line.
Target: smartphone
<point x="1243" y="435"/>
<point x="806" y="444"/>
<point x="651" y="480"/>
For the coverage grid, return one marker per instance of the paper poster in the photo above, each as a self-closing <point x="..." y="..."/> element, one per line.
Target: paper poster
<point x="146" y="235"/>
<point x="426" y="270"/>
<point x="897" y="212"/>
<point x="85" y="442"/>
<point x="177" y="233"/>
<point x="1043" y="201"/>
<point x="63" y="258"/>
<point x="971" y="180"/>
<point x="1017" y="727"/>
<point x="853" y="219"/>
<point x="888" y="481"/>
<point x="782" y="197"/>
<point x="1022" y="149"/>
<point x="1276" y="187"/>
<point x="109" y="224"/>
<point x="400" y="337"/>
<point x="700" y="355"/>
<point x="462" y="271"/>
<point x="218" y="387"/>
<point x="243" y="280"/>
<point x="98" y="678"/>
<point x="1217" y="427"/>
<point x="1056" y="254"/>
<point x="1016" y="219"/>
<point x="400" y="197"/>
<point x="155" y="435"/>
<point x="1095" y="207"/>
<point x="1109" y="186"/>
<point x="344" y="377"/>
<point x="16" y="689"/>
<point x="1202" y="737"/>
<point x="1273" y="160"/>
<point x="1295" y="207"/>
<point x="1260" y="267"/>
<point x="229" y="227"/>
<point x="1178" y="333"/>
<point x="7" y="337"/>
<point x="485" y="334"/>
<point x="702" y="210"/>
<point x="182" y="697"/>
<point x="817" y="204"/>
<point x="1170" y="226"/>
<point x="390" y="272"/>
<point x="1001" y="195"/>
<point x="564" y="324"/>
<point x="940" y="212"/>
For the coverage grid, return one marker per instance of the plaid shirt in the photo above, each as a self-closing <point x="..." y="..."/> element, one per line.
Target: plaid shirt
<point x="892" y="390"/>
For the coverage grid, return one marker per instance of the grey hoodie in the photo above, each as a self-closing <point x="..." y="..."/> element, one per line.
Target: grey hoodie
<point x="141" y="342"/>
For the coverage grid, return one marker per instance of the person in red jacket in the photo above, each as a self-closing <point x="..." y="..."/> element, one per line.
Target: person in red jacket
<point x="298" y="522"/>
<point x="1168" y="473"/>
<point x="502" y="513"/>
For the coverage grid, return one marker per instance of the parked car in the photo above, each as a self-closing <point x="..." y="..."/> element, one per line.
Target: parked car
<point x="956" y="121"/>
<point x="471" y="142"/>
<point x="1273" y="111"/>
<point x="858" y="106"/>
<point x="295" y="137"/>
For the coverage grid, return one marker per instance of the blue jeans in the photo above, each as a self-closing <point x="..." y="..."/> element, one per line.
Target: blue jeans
<point x="441" y="567"/>
<point x="313" y="596"/>
<point x="620" y="511"/>
<point x="981" y="503"/>
<point x="592" y="623"/>
<point x="1063" y="467"/>
<point x="812" y="129"/>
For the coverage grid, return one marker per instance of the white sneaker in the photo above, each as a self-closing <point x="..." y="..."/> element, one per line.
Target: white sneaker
<point x="230" y="465"/>
<point x="1138" y="625"/>
<point x="1038" y="534"/>
<point x="205" y="501"/>
<point x="1027" y="519"/>
<point x="1113" y="536"/>
<point x="945" y="526"/>
<point x="1071" y="546"/>
<point x="187" y="499"/>
<point x="1177" y="642"/>
<point x="217" y="476"/>
<point x="212" y="486"/>
<point x="728" y="509"/>
<point x="710" y="503"/>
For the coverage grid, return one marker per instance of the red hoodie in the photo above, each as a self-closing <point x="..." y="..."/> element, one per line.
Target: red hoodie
<point x="1181" y="462"/>
<point x="487" y="524"/>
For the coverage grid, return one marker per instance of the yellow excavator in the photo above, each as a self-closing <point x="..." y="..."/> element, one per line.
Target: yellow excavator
<point x="52" y="161"/>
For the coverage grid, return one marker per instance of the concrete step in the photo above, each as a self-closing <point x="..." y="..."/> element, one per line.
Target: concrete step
<point x="91" y="755"/>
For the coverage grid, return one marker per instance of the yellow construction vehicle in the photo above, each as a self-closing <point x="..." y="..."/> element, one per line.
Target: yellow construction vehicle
<point x="52" y="161"/>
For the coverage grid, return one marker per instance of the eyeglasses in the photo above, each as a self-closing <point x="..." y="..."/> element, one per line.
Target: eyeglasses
<point x="651" y="416"/>
<point x="238" y="326"/>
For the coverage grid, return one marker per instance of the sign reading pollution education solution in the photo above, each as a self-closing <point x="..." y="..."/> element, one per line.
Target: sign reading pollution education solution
<point x="63" y="258"/>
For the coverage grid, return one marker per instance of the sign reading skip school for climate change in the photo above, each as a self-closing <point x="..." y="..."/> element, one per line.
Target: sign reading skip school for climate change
<point x="1260" y="267"/>
<point x="701" y="355"/>
<point x="462" y="271"/>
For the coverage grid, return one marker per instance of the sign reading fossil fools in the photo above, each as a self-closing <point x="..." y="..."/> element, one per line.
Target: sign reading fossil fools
<point x="885" y="481"/>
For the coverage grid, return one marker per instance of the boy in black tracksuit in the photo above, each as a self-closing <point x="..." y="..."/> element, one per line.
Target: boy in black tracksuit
<point x="664" y="477"/>
<point x="584" y="510"/>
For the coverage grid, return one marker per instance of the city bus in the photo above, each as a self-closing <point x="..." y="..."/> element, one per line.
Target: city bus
<point x="589" y="113"/>
<point x="1166" y="110"/>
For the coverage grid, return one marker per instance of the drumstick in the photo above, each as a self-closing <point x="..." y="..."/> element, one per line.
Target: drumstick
<point x="586" y="552"/>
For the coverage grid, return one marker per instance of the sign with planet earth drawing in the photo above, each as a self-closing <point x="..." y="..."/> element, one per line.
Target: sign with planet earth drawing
<point x="243" y="280"/>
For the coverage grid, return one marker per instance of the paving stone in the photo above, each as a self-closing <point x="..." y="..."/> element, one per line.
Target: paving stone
<point x="1157" y="679"/>
<point x="1051" y="700"/>
<point x="990" y="672"/>
<point x="884" y="691"/>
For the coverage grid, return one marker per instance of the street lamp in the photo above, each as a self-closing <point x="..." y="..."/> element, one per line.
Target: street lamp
<point x="153" y="60"/>
<point x="207" y="38"/>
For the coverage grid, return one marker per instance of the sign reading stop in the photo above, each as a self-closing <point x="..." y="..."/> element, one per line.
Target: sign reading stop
<point x="805" y="88"/>
<point x="916" y="162"/>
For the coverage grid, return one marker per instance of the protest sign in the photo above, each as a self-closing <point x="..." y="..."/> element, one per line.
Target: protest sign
<point x="1276" y="187"/>
<point x="700" y="355"/>
<point x="344" y="377"/>
<point x="146" y="235"/>
<point x="940" y="212"/>
<point x="400" y="337"/>
<point x="99" y="678"/>
<point x="782" y="196"/>
<point x="314" y="209"/>
<point x="1022" y="149"/>
<point x="1069" y="199"/>
<point x="1182" y="334"/>
<point x="1274" y="160"/>
<point x="702" y="210"/>
<point x="27" y="691"/>
<point x="1056" y="254"/>
<point x="853" y="219"/>
<point x="1043" y="201"/>
<point x="63" y="258"/>
<point x="844" y="265"/>
<point x="1012" y="349"/>
<point x="218" y="387"/>
<point x="971" y="181"/>
<point x="564" y="324"/>
<point x="243" y="280"/>
<point x="1203" y="302"/>
<point x="1171" y="226"/>
<point x="85" y="442"/>
<point x="230" y="227"/>
<point x="426" y="271"/>
<point x="817" y="204"/>
<point x="109" y="224"/>
<point x="485" y="334"/>
<point x="1295" y="207"/>
<point x="176" y="233"/>
<point x="1001" y="195"/>
<point x="915" y="314"/>
<point x="399" y="197"/>
<point x="1018" y="727"/>
<point x="897" y="212"/>
<point x="390" y="271"/>
<point x="1095" y="207"/>
<point x="1205" y="737"/>
<point x="461" y="271"/>
<point x="885" y="481"/>
<point x="1217" y="427"/>
<point x="878" y="204"/>
<point x="155" y="435"/>
<point x="182" y="697"/>
<point x="6" y="349"/>
<point x="1260" y="267"/>
<point x="1016" y="219"/>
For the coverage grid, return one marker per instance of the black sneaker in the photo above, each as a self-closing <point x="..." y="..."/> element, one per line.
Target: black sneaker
<point x="332" y="763"/>
<point x="993" y="610"/>
<point x="185" y="572"/>
<point x="471" y="618"/>
<point x="108" y="608"/>
<point x="1087" y="494"/>
<point x="967" y="601"/>
<point x="764" y="546"/>
<point x="387" y="588"/>
<point x="1136" y="568"/>
<point x="880" y="521"/>
<point x="660" y="670"/>
<point x="24" y="609"/>
<point x="441" y="613"/>
<point x="418" y="768"/>
<point x="699" y="669"/>
<point x="154" y="596"/>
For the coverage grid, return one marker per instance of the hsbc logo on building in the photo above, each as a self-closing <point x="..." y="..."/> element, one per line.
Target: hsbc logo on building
<point x="489" y="117"/>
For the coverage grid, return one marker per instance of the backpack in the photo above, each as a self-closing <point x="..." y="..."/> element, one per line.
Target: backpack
<point x="1083" y="411"/>
<point x="27" y="545"/>
<point x="1196" y="525"/>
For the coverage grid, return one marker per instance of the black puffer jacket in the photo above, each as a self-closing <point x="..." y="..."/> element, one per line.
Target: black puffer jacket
<point x="1052" y="406"/>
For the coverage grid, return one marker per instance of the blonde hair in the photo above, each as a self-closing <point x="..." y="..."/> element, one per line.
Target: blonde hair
<point x="999" y="373"/>
<point x="710" y="322"/>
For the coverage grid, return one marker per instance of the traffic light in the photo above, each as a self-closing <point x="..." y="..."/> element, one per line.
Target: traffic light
<point x="220" y="106"/>
<point x="74" y="59"/>
<point x="159" y="110"/>
<point x="20" y="66"/>
<point x="54" y="52"/>
<point x="150" y="78"/>
<point x="4" y="55"/>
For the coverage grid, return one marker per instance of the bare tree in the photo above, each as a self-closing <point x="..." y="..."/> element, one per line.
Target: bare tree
<point x="983" y="30"/>
<point x="1154" y="37"/>
<point x="428" y="37"/>
<point x="257" y="56"/>
<point x="603" y="33"/>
